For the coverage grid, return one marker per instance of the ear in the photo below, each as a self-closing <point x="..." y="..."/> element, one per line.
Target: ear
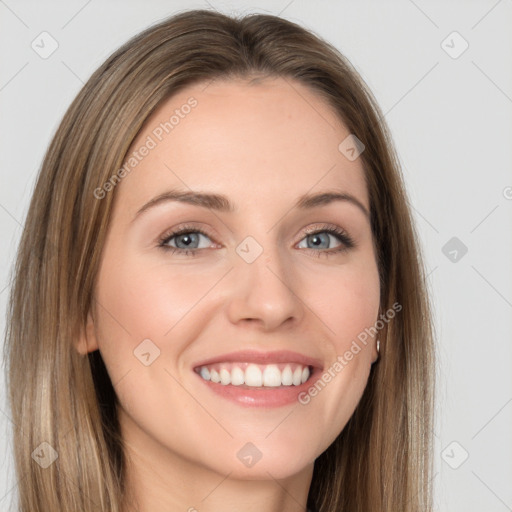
<point x="87" y="341"/>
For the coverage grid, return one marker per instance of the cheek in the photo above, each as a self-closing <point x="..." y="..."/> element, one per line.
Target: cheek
<point x="347" y="304"/>
<point x="132" y="308"/>
<point x="149" y="301"/>
<point x="138" y="302"/>
<point x="143" y="324"/>
<point x="345" y="301"/>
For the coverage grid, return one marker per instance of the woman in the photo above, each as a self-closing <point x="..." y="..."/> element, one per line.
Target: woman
<point x="219" y="300"/>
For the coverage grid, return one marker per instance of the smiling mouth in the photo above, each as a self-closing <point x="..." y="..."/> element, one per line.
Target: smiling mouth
<point x="250" y="375"/>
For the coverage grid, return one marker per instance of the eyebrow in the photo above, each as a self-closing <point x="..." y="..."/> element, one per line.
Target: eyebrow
<point x="221" y="203"/>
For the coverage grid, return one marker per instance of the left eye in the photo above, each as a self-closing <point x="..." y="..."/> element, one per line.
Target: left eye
<point x="319" y="240"/>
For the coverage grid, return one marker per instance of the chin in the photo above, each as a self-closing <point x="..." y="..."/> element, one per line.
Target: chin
<point x="275" y="466"/>
<point x="269" y="458"/>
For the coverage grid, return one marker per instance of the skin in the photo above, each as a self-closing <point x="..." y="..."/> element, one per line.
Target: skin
<point x="262" y="146"/>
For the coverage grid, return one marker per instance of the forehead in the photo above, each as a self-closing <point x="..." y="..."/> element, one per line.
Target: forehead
<point x="275" y="139"/>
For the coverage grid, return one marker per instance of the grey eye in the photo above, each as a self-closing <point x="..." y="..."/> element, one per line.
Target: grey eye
<point x="320" y="240"/>
<point x="187" y="240"/>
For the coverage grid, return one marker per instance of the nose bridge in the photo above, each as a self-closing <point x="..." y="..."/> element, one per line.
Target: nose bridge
<point x="263" y="288"/>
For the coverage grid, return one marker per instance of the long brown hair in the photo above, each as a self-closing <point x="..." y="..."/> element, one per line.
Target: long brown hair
<point x="382" y="460"/>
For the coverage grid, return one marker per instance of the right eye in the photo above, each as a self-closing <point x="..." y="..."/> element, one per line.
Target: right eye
<point x="186" y="240"/>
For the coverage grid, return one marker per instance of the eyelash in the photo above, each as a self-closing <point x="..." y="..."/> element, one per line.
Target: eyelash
<point x="346" y="241"/>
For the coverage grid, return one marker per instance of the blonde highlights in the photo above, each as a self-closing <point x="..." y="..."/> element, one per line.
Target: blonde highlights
<point x="382" y="460"/>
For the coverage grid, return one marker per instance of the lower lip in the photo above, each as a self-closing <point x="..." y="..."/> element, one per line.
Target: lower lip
<point x="261" y="397"/>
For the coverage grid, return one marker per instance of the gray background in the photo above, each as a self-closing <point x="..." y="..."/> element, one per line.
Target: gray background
<point x="450" y="116"/>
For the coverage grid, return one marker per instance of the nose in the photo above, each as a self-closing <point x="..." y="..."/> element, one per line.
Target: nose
<point x="262" y="292"/>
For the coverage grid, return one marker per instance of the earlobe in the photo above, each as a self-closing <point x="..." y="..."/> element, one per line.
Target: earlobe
<point x="376" y="352"/>
<point x="87" y="341"/>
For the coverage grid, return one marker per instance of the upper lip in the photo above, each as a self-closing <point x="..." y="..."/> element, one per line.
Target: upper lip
<point x="258" y="357"/>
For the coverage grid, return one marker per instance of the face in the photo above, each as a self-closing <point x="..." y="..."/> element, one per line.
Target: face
<point x="217" y="314"/>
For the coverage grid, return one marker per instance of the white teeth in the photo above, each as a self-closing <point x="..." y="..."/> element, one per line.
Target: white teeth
<point x="297" y="376"/>
<point x="225" y="377"/>
<point x="286" y="376"/>
<point x="237" y="376"/>
<point x="270" y="375"/>
<point x="253" y="376"/>
<point x="205" y="373"/>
